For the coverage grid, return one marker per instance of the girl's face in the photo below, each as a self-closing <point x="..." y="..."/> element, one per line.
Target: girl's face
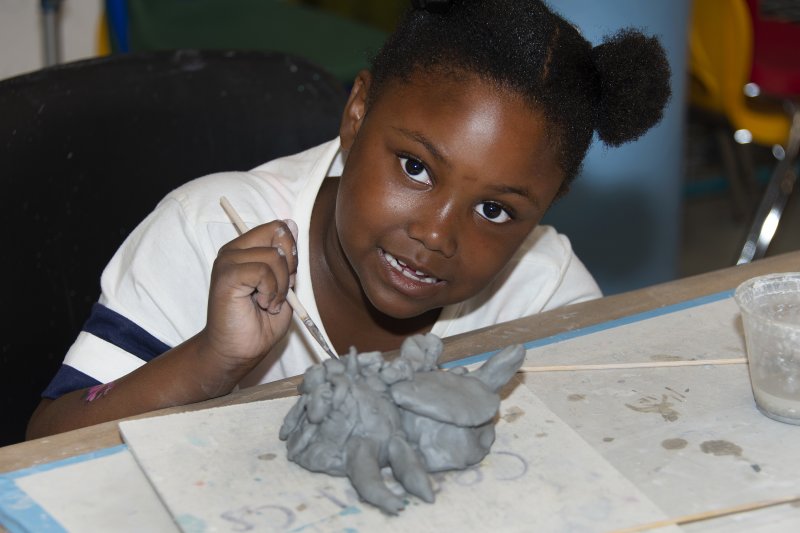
<point x="443" y="181"/>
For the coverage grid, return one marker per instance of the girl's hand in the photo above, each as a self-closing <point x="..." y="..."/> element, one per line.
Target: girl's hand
<point x="247" y="308"/>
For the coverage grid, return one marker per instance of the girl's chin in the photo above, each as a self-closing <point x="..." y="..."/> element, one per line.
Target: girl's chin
<point x="401" y="310"/>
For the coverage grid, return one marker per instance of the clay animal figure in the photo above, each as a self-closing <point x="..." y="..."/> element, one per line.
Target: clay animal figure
<point x="361" y="413"/>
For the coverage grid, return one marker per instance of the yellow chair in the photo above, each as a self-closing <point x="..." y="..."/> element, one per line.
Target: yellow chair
<point x="720" y="61"/>
<point x="721" y="58"/>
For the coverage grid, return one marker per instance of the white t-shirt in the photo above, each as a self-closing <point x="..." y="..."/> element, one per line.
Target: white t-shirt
<point x="155" y="289"/>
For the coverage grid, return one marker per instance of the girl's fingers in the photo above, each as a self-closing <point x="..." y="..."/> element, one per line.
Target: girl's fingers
<point x="279" y="234"/>
<point x="262" y="273"/>
<point x="292" y="225"/>
<point x="284" y="238"/>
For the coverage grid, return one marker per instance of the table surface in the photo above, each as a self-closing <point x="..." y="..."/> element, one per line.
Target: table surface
<point x="526" y="329"/>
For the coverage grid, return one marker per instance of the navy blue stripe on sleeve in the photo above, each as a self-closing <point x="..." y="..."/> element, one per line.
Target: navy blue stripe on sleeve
<point x="67" y="379"/>
<point x="114" y="328"/>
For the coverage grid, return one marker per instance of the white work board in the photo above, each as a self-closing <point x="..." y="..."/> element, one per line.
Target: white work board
<point x="224" y="469"/>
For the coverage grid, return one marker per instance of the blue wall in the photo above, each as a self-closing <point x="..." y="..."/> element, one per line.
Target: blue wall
<point x="623" y="214"/>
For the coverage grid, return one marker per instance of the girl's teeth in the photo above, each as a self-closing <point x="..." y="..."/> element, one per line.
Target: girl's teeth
<point x="416" y="275"/>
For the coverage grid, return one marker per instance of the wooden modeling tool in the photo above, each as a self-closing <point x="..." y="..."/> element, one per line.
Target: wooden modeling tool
<point x="645" y="364"/>
<point x="708" y="515"/>
<point x="291" y="297"/>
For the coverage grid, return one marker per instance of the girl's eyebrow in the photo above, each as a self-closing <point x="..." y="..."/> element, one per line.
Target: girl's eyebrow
<point x="526" y="194"/>
<point x="520" y="191"/>
<point x="424" y="141"/>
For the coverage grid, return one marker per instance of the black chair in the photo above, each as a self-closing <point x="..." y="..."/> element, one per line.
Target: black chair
<point x="87" y="149"/>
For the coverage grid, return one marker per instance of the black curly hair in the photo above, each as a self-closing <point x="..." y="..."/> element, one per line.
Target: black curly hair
<point x="618" y="88"/>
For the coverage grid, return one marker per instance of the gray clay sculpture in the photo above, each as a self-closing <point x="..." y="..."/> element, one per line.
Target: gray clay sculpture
<point x="362" y="413"/>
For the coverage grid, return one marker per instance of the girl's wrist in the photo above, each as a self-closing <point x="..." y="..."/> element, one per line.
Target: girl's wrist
<point x="215" y="374"/>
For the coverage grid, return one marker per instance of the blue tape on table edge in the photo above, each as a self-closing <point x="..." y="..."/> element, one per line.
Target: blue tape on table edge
<point x="19" y="513"/>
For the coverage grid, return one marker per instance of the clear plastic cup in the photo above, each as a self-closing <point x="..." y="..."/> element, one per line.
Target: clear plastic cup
<point x="770" y="307"/>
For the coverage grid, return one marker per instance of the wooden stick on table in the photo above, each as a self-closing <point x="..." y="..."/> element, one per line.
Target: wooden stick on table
<point x="646" y="364"/>
<point x="707" y="515"/>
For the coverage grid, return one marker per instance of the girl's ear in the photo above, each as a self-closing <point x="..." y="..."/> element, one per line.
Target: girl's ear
<point x="355" y="109"/>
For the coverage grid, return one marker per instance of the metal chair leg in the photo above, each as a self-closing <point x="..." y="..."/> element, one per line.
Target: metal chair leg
<point x="51" y="12"/>
<point x="774" y="200"/>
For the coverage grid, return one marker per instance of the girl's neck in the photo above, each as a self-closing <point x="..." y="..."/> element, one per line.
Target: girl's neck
<point x="348" y="316"/>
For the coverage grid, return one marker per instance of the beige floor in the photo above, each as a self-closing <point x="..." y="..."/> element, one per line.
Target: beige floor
<point x="712" y="235"/>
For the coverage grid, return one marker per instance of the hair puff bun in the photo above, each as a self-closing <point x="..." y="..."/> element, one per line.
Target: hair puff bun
<point x="633" y="86"/>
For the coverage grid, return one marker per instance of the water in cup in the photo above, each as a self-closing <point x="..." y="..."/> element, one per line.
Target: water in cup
<point x="770" y="308"/>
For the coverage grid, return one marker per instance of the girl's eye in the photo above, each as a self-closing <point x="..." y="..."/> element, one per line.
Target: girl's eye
<point x="415" y="170"/>
<point x="493" y="212"/>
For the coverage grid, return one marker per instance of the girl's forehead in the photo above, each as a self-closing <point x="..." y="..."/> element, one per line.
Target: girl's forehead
<point x="445" y="101"/>
<point x="470" y="122"/>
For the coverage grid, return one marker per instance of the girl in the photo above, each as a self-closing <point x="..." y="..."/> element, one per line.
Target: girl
<point x="422" y="216"/>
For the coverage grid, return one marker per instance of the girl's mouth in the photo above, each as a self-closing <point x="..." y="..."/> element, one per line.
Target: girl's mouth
<point x="407" y="271"/>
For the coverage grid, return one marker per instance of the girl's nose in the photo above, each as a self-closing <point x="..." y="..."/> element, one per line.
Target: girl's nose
<point x="436" y="228"/>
